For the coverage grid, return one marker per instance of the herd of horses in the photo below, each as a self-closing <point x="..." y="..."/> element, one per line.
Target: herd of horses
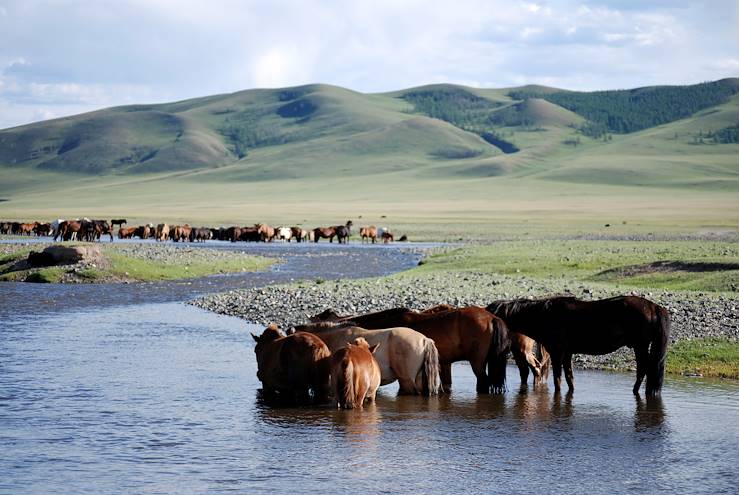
<point x="85" y="229"/>
<point x="348" y="356"/>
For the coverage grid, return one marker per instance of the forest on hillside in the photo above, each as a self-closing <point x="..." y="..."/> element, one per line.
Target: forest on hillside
<point x="625" y="111"/>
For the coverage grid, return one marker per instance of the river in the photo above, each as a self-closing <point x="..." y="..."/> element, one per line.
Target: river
<point x="125" y="389"/>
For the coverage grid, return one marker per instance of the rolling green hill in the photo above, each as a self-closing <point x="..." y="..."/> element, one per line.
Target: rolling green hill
<point x="438" y="154"/>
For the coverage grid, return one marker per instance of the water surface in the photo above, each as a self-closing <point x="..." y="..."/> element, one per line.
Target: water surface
<point x="147" y="395"/>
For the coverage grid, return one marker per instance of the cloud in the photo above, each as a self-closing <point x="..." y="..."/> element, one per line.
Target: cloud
<point x="108" y="53"/>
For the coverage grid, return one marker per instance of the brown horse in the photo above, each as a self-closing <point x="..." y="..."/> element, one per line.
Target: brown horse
<point x="368" y="234"/>
<point x="405" y="355"/>
<point x="265" y="232"/>
<point x="293" y="366"/>
<point x="466" y="334"/>
<point x="162" y="232"/>
<point x="530" y="355"/>
<point x="324" y="233"/>
<point x="355" y="374"/>
<point x="567" y="326"/>
<point x="126" y="232"/>
<point x="527" y="353"/>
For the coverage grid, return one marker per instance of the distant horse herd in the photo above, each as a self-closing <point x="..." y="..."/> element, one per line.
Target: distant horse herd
<point x="347" y="357"/>
<point x="85" y="229"/>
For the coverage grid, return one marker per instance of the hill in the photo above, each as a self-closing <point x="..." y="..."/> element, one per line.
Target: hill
<point x="444" y="153"/>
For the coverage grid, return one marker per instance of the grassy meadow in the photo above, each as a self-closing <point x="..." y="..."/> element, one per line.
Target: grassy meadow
<point x="128" y="263"/>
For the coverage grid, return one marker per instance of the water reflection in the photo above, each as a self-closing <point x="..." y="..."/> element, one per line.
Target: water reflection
<point x="649" y="414"/>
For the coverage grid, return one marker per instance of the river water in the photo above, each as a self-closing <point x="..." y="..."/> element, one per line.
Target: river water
<point x="125" y="389"/>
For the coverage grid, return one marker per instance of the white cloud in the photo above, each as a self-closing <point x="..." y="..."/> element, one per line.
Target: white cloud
<point x="160" y="50"/>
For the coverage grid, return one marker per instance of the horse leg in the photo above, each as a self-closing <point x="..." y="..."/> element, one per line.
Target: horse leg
<point x="445" y="371"/>
<point x="641" y="353"/>
<point x="407" y="386"/>
<point x="523" y="368"/>
<point x="478" y="368"/>
<point x="557" y="372"/>
<point x="568" y="372"/>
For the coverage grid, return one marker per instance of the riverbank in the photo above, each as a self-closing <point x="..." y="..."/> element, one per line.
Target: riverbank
<point x="125" y="263"/>
<point x="478" y="275"/>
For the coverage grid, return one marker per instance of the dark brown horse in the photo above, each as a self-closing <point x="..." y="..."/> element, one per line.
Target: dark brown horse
<point x="324" y="233"/>
<point x="567" y="326"/>
<point x="294" y="365"/>
<point x="466" y="334"/>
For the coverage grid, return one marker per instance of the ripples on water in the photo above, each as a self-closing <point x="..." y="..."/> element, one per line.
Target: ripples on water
<point x="163" y="398"/>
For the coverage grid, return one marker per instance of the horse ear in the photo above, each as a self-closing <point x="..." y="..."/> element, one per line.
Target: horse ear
<point x="255" y="337"/>
<point x="374" y="348"/>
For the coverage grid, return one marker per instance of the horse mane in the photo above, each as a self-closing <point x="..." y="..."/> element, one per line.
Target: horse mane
<point x="324" y="325"/>
<point x="512" y="307"/>
<point x="271" y="333"/>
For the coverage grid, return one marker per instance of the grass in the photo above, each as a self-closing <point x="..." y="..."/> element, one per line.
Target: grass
<point x="591" y="261"/>
<point x="146" y="270"/>
<point x="118" y="266"/>
<point x="707" y="357"/>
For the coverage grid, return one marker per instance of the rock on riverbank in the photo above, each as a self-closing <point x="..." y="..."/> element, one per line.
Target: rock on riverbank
<point x="694" y="315"/>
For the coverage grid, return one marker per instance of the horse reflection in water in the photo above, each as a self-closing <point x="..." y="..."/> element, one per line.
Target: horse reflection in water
<point x="649" y="414"/>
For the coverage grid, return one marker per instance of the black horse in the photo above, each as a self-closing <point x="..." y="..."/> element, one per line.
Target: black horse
<point x="344" y="231"/>
<point x="567" y="326"/>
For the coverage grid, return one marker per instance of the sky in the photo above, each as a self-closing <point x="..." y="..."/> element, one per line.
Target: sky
<point x="60" y="58"/>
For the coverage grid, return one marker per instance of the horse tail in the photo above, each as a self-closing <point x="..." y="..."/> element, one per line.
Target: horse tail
<point x="431" y="371"/>
<point x="658" y="352"/>
<point x="345" y="389"/>
<point x="497" y="358"/>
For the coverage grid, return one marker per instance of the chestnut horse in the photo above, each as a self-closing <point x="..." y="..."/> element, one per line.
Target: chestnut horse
<point x="404" y="355"/>
<point x="465" y="334"/>
<point x="368" y="234"/>
<point x="567" y="326"/>
<point x="266" y="233"/>
<point x="293" y="365"/>
<point x="355" y="374"/>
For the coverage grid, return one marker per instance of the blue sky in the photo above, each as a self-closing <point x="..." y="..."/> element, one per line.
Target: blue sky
<point x="60" y="58"/>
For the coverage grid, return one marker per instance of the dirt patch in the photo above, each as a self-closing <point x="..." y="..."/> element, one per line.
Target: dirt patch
<point x="667" y="267"/>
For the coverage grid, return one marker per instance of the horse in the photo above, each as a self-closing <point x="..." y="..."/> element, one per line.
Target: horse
<point x="101" y="228"/>
<point x="567" y="325"/>
<point x="355" y="374"/>
<point x="42" y="229"/>
<point x="162" y="232"/>
<point x="343" y="232"/>
<point x="27" y="228"/>
<point x="530" y="355"/>
<point x="120" y="222"/>
<point x="368" y="234"/>
<point x="181" y="233"/>
<point x="283" y="233"/>
<point x="404" y="354"/>
<point x="324" y="233"/>
<point x="299" y="234"/>
<point x="142" y="232"/>
<point x="126" y="232"/>
<point x="387" y="237"/>
<point x="465" y="334"/>
<point x="294" y="365"/>
<point x="69" y="229"/>
<point x="266" y="233"/>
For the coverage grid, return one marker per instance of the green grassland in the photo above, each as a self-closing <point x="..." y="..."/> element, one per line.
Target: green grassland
<point x="320" y="154"/>
<point x="117" y="266"/>
<point x="706" y="357"/>
<point x="686" y="265"/>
